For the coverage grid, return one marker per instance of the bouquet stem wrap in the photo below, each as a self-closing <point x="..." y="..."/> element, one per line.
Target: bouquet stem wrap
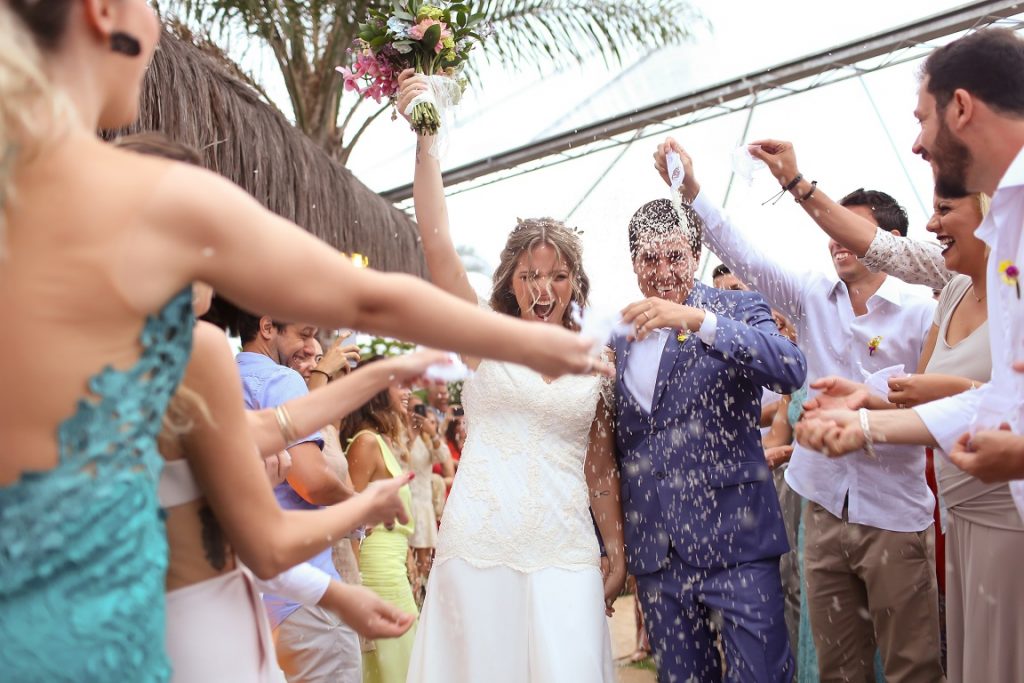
<point x="430" y="111"/>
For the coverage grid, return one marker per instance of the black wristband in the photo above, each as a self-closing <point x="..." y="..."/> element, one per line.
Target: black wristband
<point x="793" y="183"/>
<point x="322" y="373"/>
<point x="814" y="187"/>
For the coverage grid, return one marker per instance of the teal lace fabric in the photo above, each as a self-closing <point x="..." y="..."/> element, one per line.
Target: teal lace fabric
<point x="83" y="551"/>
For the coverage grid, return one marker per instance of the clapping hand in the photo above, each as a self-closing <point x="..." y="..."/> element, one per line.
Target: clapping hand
<point x="832" y="432"/>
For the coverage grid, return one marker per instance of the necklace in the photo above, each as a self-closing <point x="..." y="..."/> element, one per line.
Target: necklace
<point x="977" y="298"/>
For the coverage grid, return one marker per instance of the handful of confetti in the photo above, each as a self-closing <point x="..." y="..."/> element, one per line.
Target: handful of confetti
<point x="599" y="326"/>
<point x="452" y="371"/>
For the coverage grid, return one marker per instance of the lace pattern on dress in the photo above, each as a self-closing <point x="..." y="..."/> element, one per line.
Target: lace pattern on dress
<point x="83" y="550"/>
<point x="520" y="498"/>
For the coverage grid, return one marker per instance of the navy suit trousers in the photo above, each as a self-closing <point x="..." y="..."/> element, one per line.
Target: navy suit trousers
<point x="744" y="602"/>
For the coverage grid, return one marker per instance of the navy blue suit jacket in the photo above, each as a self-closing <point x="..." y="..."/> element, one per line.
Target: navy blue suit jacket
<point x="693" y="470"/>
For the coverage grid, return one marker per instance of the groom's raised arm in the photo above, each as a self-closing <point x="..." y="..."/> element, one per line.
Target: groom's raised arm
<point x="751" y="341"/>
<point x="782" y="287"/>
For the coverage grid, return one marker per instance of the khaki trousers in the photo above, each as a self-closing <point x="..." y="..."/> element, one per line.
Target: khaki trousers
<point x="313" y="646"/>
<point x="869" y="587"/>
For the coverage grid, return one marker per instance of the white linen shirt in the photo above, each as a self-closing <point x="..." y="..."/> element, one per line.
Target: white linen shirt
<point x="888" y="493"/>
<point x="1002" y="399"/>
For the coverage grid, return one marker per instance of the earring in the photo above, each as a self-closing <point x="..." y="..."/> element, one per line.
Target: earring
<point x="125" y="44"/>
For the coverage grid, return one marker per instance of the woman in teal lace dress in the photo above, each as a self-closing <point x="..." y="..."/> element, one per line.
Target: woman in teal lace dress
<point x="98" y="247"/>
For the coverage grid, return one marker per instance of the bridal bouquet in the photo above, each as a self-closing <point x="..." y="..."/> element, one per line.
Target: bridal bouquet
<point x="430" y="36"/>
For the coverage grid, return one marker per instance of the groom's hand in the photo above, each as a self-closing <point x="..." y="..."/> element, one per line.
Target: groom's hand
<point x="690" y="188"/>
<point x="654" y="313"/>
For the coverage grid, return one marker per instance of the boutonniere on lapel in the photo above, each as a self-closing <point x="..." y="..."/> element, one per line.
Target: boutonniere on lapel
<point x="1010" y="274"/>
<point x="873" y="345"/>
<point x="682" y="336"/>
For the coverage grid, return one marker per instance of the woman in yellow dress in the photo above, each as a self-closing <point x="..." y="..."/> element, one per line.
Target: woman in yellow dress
<point x="374" y="433"/>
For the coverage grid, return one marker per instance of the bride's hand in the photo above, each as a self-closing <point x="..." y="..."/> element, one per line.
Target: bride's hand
<point x="614" y="573"/>
<point x="410" y="85"/>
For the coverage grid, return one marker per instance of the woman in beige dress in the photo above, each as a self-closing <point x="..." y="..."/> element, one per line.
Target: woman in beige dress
<point x="984" y="531"/>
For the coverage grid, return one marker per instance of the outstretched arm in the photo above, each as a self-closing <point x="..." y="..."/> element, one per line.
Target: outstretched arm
<point x="230" y="473"/>
<point x="202" y="227"/>
<point x="755" y="344"/>
<point x="331" y="403"/>
<point x="915" y="261"/>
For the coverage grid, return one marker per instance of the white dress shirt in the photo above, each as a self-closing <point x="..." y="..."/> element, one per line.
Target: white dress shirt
<point x="640" y="374"/>
<point x="890" y="492"/>
<point x="1001" y="400"/>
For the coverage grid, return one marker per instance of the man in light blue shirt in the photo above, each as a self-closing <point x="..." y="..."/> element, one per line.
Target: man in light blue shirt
<point x="312" y="645"/>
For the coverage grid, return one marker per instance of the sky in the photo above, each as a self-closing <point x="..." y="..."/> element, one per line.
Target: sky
<point x="841" y="139"/>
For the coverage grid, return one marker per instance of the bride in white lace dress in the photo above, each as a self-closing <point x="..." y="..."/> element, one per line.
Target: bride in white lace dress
<point x="517" y="593"/>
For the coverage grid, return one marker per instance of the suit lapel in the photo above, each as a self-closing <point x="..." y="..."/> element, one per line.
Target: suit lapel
<point x="674" y="349"/>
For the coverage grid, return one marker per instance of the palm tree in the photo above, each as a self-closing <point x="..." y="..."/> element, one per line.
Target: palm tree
<point x="309" y="38"/>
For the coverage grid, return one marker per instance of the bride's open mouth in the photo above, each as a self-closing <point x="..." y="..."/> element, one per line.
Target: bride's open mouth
<point x="544" y="310"/>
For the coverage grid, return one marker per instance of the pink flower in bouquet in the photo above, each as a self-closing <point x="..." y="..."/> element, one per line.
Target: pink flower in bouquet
<point x="351" y="79"/>
<point x="417" y="31"/>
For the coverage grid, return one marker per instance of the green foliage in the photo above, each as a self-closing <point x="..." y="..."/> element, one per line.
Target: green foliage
<point x="310" y="38"/>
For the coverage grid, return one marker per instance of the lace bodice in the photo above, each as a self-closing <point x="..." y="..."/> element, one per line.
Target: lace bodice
<point x="520" y="497"/>
<point x="82" y="546"/>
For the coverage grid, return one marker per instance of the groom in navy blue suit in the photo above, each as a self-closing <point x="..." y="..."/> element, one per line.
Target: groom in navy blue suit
<point x="703" y="531"/>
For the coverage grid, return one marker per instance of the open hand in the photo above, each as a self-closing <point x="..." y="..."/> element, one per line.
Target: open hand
<point x="366" y="612"/>
<point x="779" y="156"/>
<point x="837" y="393"/>
<point x="991" y="455"/>
<point x="832" y="432"/>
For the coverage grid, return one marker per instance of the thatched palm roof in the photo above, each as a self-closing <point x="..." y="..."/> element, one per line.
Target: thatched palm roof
<point x="197" y="98"/>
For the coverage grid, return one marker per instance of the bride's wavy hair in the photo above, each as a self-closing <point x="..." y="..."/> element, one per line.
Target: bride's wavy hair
<point x="525" y="237"/>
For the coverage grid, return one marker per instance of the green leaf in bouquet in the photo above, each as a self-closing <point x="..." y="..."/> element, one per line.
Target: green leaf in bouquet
<point x="477" y="18"/>
<point x="461" y="19"/>
<point x="431" y="37"/>
<point x="405" y="16"/>
<point x="379" y="42"/>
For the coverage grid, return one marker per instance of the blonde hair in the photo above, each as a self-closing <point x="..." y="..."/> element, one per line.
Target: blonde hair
<point x="525" y="237"/>
<point x="984" y="203"/>
<point x="30" y="108"/>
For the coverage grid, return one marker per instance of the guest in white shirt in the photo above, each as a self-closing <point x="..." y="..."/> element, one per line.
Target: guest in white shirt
<point x="868" y="525"/>
<point x="971" y="111"/>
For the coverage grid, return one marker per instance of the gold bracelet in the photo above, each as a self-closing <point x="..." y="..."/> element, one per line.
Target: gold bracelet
<point x="284" y="423"/>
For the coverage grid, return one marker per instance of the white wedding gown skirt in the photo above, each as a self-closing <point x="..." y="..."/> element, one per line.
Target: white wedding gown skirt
<point x="500" y="625"/>
<point x="515" y="594"/>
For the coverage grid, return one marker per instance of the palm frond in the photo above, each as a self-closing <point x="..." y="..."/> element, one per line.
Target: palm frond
<point x="560" y="33"/>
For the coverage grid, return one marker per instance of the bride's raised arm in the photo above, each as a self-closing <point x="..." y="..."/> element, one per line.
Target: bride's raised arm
<point x="446" y="269"/>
